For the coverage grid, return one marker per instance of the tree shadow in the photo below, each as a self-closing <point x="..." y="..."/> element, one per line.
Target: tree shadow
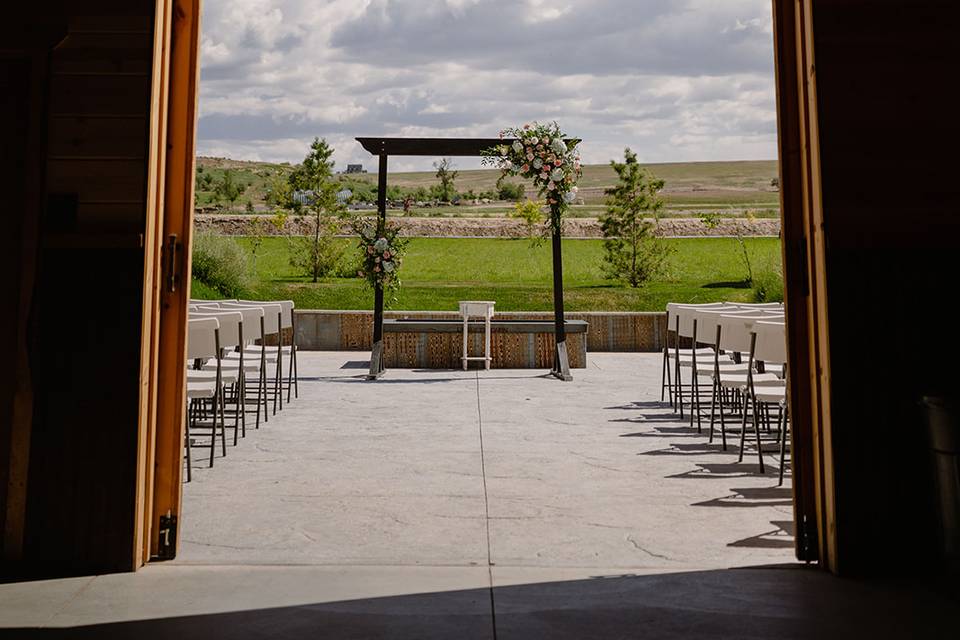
<point x="738" y="284"/>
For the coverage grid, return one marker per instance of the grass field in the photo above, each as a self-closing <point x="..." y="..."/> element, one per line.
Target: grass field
<point x="438" y="272"/>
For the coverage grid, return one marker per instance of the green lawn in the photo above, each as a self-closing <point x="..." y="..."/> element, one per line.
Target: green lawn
<point x="438" y="272"/>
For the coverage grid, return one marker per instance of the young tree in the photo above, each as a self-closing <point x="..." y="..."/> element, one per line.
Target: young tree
<point x="632" y="253"/>
<point x="321" y="254"/>
<point x="446" y="175"/>
<point x="228" y="189"/>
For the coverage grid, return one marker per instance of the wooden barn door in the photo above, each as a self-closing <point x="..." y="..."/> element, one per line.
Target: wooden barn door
<point x="805" y="274"/>
<point x="174" y="118"/>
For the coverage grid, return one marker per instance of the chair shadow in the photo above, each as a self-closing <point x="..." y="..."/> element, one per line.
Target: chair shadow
<point x="692" y="449"/>
<point x="752" y="497"/>
<point x="784" y="529"/>
<point x="725" y="471"/>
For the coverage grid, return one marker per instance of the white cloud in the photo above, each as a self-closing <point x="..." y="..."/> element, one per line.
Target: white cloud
<point x="674" y="80"/>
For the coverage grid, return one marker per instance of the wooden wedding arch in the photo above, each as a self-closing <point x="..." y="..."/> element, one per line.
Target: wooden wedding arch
<point x="383" y="148"/>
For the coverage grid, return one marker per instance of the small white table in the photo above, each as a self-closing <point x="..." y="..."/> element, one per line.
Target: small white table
<point x="477" y="309"/>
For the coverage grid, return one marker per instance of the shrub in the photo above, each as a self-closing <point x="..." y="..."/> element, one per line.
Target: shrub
<point x="768" y="284"/>
<point x="320" y="255"/>
<point x="510" y="191"/>
<point x="221" y="264"/>
<point x="530" y="212"/>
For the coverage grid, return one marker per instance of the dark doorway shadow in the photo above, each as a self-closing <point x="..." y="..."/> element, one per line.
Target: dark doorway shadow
<point x="759" y="602"/>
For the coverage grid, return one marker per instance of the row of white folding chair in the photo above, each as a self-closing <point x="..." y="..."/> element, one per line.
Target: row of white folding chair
<point x="234" y="329"/>
<point x="680" y="323"/>
<point x="269" y="323"/>
<point x="286" y="321"/>
<point x="704" y="326"/>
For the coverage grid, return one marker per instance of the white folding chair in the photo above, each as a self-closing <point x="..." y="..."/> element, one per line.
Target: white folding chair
<point x="231" y="376"/>
<point x="203" y="343"/>
<point x="674" y="353"/>
<point x="769" y="346"/>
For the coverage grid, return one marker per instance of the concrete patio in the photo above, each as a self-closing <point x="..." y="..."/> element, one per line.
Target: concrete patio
<point x="454" y="468"/>
<point x="481" y="504"/>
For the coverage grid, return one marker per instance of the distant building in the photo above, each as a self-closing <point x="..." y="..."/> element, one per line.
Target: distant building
<point x="354" y="168"/>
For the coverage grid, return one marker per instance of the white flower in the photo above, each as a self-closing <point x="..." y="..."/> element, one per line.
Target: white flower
<point x="557" y="175"/>
<point x="570" y="196"/>
<point x="537" y="163"/>
<point x="388" y="266"/>
<point x="518" y="146"/>
<point x="559" y="146"/>
<point x="381" y="245"/>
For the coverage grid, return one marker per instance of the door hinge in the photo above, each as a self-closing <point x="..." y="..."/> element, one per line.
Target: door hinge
<point x="172" y="262"/>
<point x="167" y="549"/>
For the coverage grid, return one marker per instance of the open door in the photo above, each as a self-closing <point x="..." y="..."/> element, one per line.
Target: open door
<point x="804" y="267"/>
<point x="172" y="173"/>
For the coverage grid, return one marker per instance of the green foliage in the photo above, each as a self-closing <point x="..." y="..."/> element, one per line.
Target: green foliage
<point x="531" y="213"/>
<point x="632" y="253"/>
<point x="220" y="264"/>
<point x="510" y="191"/>
<point x="228" y="188"/>
<point x="710" y="219"/>
<point x="256" y="228"/>
<point x="279" y="192"/>
<point x="318" y="255"/>
<point x="446" y="175"/>
<point x="768" y="284"/>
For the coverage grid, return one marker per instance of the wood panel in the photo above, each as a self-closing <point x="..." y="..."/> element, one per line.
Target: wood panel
<point x="85" y="137"/>
<point x="81" y="503"/>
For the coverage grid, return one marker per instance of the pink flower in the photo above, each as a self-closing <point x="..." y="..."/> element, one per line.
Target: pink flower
<point x="551" y="185"/>
<point x="544" y="176"/>
<point x="558" y="162"/>
<point x="540" y="147"/>
<point x="386" y="255"/>
<point x="370" y="250"/>
<point x="376" y="269"/>
<point x="360" y="273"/>
<point x="546" y="140"/>
<point x="525" y="168"/>
<point x="552" y="201"/>
<point x="529" y="155"/>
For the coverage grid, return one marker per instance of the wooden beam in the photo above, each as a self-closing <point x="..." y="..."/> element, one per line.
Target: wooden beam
<point x="433" y="146"/>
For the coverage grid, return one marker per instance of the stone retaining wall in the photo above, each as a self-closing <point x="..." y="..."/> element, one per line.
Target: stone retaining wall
<point x="319" y="330"/>
<point x="239" y="225"/>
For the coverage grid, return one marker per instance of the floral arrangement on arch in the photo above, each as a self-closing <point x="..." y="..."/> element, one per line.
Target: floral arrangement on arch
<point x="540" y="153"/>
<point x="381" y="255"/>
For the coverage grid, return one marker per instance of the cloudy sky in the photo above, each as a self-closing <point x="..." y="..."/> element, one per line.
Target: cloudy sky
<point x="675" y="80"/>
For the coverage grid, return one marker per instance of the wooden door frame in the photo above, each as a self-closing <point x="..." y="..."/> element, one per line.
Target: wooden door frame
<point x="804" y="264"/>
<point x="173" y="122"/>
